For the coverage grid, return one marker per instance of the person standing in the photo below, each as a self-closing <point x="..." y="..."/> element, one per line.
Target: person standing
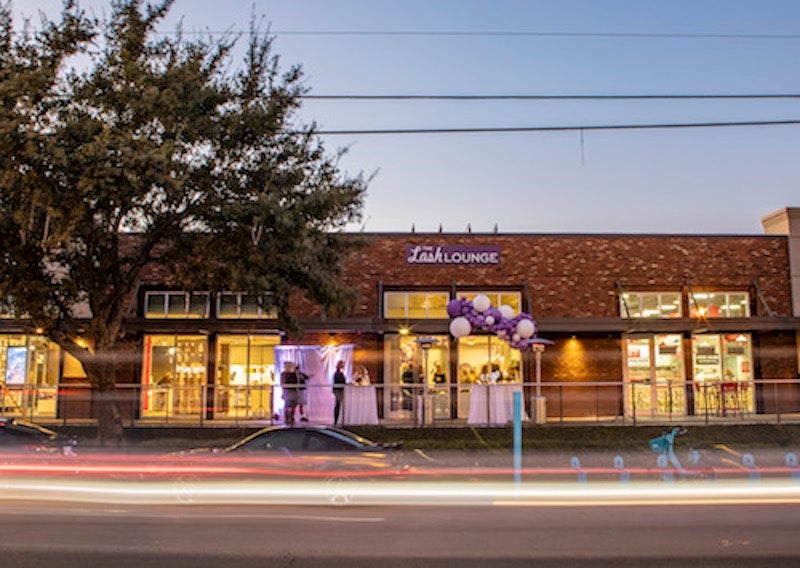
<point x="302" y="395"/>
<point x="338" y="391"/>
<point x="290" y="392"/>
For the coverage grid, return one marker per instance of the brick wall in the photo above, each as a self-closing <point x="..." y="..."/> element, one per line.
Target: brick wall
<point x="574" y="276"/>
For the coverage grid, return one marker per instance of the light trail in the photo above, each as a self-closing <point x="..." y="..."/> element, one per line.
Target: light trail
<point x="380" y="493"/>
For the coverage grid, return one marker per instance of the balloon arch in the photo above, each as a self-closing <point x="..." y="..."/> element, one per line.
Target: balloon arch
<point x="478" y="313"/>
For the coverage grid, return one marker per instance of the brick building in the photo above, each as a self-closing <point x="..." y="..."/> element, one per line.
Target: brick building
<point x="646" y="325"/>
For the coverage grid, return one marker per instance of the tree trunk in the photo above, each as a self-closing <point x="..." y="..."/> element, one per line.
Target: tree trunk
<point x="102" y="373"/>
<point x="109" y="418"/>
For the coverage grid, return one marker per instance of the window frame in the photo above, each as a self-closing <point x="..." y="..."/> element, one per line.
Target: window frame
<point x="626" y="312"/>
<point x="187" y="304"/>
<point x="494" y="296"/>
<point x="406" y="293"/>
<point x="695" y="308"/>
<point x="261" y="313"/>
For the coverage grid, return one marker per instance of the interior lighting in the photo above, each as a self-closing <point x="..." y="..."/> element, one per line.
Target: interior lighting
<point x="404" y="331"/>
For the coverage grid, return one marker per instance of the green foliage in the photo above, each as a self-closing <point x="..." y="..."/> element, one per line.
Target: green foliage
<point x="163" y="150"/>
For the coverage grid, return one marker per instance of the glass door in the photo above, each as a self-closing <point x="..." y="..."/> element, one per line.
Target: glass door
<point x="405" y="364"/>
<point x="484" y="359"/>
<point x="654" y="375"/>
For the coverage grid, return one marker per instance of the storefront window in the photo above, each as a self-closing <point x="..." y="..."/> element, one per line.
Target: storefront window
<point x="485" y="359"/>
<point x="404" y="365"/>
<point x="511" y="299"/>
<point x="650" y="305"/>
<point x="720" y="304"/>
<point x="415" y="305"/>
<point x="654" y="375"/>
<point x="29" y="368"/>
<point x="723" y="373"/>
<point x="176" y="305"/>
<point x="173" y="375"/>
<point x="245" y="375"/>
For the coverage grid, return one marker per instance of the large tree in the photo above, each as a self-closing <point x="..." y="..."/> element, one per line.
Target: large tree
<point x="159" y="149"/>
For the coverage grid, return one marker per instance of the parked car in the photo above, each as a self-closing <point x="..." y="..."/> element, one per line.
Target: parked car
<point x="21" y="436"/>
<point x="309" y="451"/>
<point x="307" y="439"/>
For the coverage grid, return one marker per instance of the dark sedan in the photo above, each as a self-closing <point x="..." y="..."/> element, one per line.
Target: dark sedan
<point x="21" y="436"/>
<point x="307" y="439"/>
<point x="306" y="451"/>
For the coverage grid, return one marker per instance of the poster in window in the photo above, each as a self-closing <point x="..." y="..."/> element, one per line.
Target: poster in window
<point x="16" y="365"/>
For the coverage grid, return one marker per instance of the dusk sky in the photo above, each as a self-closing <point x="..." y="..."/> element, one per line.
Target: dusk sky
<point x="710" y="180"/>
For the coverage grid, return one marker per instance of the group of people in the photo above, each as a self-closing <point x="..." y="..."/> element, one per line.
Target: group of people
<point x="295" y="398"/>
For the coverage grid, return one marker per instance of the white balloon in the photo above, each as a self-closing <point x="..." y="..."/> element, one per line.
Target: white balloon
<point x="507" y="311"/>
<point x="460" y="327"/>
<point x="489" y="320"/>
<point x="525" y="328"/>
<point x="515" y="337"/>
<point x="481" y="303"/>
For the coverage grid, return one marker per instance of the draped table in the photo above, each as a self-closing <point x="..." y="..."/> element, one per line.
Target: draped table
<point x="360" y="405"/>
<point x="493" y="405"/>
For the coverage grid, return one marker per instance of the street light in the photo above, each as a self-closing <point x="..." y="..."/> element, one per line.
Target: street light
<point x="425" y="343"/>
<point x="539" y="409"/>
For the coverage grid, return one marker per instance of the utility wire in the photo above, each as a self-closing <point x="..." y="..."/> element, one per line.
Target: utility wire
<point x="358" y="97"/>
<point x="557" y="128"/>
<point x="506" y="33"/>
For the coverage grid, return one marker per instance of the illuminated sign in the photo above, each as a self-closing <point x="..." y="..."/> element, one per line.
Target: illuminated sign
<point x="453" y="254"/>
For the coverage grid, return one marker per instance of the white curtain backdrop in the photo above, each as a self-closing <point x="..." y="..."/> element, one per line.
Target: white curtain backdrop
<point x="319" y="363"/>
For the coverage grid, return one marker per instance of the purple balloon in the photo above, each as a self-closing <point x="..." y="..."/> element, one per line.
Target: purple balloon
<point x="454" y="308"/>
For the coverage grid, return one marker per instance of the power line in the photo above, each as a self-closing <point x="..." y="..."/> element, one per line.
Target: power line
<point x="513" y="129"/>
<point x="479" y="33"/>
<point x="510" y="33"/>
<point x="361" y="97"/>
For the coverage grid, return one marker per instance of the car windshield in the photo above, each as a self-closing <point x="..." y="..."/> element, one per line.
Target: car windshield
<point x="355" y="437"/>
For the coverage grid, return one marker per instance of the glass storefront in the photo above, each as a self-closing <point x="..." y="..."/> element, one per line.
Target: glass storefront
<point x="174" y="375"/>
<point x="29" y="374"/>
<point x="245" y="375"/>
<point x="723" y="373"/>
<point x="404" y="364"/>
<point x="654" y="375"/>
<point x="484" y="359"/>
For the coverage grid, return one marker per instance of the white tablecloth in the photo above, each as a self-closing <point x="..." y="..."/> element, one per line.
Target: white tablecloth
<point x="494" y="404"/>
<point x="360" y="405"/>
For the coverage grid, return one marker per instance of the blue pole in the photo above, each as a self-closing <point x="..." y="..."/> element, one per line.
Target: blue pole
<point x="517" y="437"/>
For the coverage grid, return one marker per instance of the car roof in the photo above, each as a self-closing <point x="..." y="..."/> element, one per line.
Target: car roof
<point x="335" y="432"/>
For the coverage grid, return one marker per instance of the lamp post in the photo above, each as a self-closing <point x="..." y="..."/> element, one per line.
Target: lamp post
<point x="539" y="402"/>
<point x="425" y="343"/>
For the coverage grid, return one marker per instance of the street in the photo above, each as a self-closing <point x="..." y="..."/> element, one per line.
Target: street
<point x="68" y="534"/>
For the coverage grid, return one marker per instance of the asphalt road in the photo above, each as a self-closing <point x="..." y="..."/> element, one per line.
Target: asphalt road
<point x="71" y="534"/>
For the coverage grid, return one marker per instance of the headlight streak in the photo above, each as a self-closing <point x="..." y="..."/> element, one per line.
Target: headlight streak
<point x="261" y="492"/>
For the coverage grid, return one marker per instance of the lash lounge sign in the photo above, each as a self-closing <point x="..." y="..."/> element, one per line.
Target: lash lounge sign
<point x="453" y="254"/>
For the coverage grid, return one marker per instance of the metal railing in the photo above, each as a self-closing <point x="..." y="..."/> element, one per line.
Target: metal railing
<point x="632" y="403"/>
